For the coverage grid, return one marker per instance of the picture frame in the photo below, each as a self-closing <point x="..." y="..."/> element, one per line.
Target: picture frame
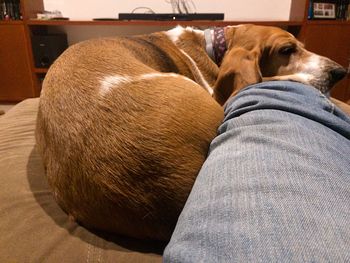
<point x="322" y="10"/>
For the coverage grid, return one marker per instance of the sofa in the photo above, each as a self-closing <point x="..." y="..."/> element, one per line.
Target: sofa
<point x="279" y="207"/>
<point x="33" y="228"/>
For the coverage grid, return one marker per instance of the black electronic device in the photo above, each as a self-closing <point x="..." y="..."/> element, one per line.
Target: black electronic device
<point x="46" y="48"/>
<point x="171" y="16"/>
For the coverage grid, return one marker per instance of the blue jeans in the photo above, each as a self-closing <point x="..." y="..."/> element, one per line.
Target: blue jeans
<point x="276" y="184"/>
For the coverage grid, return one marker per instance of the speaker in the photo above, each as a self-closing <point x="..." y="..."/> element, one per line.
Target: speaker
<point x="46" y="48"/>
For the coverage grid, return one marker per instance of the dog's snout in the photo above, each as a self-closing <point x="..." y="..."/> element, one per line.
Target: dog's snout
<point x="338" y="73"/>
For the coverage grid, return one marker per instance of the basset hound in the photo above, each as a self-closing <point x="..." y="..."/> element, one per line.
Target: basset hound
<point x="124" y="123"/>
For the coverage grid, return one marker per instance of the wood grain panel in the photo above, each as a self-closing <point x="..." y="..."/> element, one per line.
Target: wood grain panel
<point x="333" y="41"/>
<point x="15" y="81"/>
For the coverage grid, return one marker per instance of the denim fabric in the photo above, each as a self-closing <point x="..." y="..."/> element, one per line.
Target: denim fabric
<point x="276" y="184"/>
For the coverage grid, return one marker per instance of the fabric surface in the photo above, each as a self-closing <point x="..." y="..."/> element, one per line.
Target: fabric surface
<point x="276" y="184"/>
<point x="32" y="227"/>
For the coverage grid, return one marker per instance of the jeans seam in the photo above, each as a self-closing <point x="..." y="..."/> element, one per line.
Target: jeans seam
<point x="329" y="102"/>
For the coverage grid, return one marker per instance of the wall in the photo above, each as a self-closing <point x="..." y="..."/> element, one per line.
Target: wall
<point x="233" y="9"/>
<point x="243" y="10"/>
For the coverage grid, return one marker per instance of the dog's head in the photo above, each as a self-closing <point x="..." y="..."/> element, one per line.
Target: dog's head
<point x="260" y="53"/>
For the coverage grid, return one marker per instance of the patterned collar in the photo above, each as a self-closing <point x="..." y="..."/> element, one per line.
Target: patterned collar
<point x="215" y="44"/>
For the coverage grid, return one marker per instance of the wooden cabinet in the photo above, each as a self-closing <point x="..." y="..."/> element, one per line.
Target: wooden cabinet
<point x="16" y="81"/>
<point x="331" y="39"/>
<point x="17" y="78"/>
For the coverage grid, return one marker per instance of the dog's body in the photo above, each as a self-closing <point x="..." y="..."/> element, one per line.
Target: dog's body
<point x="124" y="124"/>
<point x="122" y="142"/>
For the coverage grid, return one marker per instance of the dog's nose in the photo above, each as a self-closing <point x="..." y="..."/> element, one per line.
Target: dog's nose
<point x="337" y="74"/>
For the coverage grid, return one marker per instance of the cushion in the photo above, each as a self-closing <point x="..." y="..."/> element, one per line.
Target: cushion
<point x="33" y="228"/>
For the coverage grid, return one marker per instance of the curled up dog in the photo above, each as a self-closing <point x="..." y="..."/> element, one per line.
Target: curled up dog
<point x="125" y="123"/>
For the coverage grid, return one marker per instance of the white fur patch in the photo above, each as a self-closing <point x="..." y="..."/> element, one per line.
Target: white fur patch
<point x="304" y="77"/>
<point x="111" y="81"/>
<point x="114" y="81"/>
<point x="175" y="33"/>
<point x="156" y="75"/>
<point x="312" y="64"/>
<point x="300" y="77"/>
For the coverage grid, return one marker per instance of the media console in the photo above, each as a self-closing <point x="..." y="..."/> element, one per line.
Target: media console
<point x="171" y="16"/>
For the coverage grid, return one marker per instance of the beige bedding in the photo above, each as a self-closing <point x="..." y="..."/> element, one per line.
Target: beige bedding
<point x="32" y="227"/>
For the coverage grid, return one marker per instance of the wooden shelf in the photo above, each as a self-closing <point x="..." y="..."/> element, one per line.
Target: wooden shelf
<point x="11" y="22"/>
<point x="328" y="22"/>
<point x="155" y="23"/>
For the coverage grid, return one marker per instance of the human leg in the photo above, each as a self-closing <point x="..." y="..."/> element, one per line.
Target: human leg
<point x="275" y="185"/>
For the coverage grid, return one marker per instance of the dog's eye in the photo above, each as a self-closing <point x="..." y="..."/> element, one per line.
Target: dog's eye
<point x="287" y="50"/>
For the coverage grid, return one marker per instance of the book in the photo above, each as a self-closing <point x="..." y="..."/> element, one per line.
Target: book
<point x="10" y="10"/>
<point x="342" y="9"/>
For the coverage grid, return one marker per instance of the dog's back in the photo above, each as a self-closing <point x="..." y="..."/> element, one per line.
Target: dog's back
<point x="121" y="141"/>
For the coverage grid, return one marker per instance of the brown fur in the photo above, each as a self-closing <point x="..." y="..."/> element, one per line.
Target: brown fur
<point x="125" y="159"/>
<point x="342" y="105"/>
<point x="124" y="162"/>
<point x="255" y="54"/>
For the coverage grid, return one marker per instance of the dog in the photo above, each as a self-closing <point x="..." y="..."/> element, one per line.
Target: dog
<point x="124" y="124"/>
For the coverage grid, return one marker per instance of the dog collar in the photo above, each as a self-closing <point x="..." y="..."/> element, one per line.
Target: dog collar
<point x="209" y="43"/>
<point x="215" y="44"/>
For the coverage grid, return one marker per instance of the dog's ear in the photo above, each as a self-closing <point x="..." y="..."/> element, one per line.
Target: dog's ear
<point x="239" y="68"/>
